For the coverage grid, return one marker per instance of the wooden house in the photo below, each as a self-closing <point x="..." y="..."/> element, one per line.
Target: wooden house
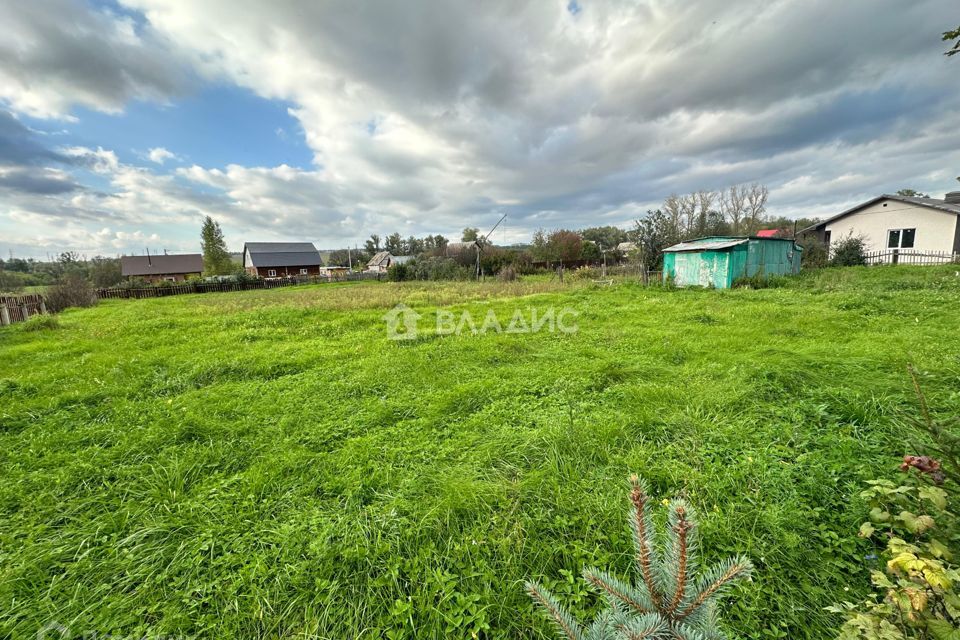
<point x="281" y="259"/>
<point x="172" y="268"/>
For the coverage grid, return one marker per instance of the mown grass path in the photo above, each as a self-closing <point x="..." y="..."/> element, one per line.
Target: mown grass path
<point x="269" y="464"/>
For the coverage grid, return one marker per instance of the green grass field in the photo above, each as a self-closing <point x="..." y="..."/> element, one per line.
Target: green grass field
<point x="269" y="465"/>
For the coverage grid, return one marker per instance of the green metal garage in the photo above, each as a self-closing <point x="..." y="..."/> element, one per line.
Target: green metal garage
<point x="718" y="261"/>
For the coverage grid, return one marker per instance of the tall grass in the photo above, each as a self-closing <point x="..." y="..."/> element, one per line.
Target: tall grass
<point x="268" y="464"/>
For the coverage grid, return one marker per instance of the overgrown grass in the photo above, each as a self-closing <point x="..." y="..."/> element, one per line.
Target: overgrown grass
<point x="268" y="464"/>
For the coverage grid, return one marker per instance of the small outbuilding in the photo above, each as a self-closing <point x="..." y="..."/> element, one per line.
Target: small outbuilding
<point x="384" y="260"/>
<point x="719" y="261"/>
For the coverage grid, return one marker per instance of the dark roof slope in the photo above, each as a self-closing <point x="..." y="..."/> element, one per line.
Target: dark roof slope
<point x="930" y="203"/>
<point x="280" y="247"/>
<point x="161" y="265"/>
<point x="283" y="254"/>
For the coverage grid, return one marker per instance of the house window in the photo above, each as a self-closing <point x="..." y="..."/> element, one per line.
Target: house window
<point x="826" y="237"/>
<point x="303" y="272"/>
<point x="901" y="238"/>
<point x="272" y="272"/>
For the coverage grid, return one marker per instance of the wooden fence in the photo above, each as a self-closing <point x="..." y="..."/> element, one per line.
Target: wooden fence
<point x="19" y="308"/>
<point x="909" y="256"/>
<point x="213" y="287"/>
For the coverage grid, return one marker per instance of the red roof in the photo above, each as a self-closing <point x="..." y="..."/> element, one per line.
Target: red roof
<point x="768" y="233"/>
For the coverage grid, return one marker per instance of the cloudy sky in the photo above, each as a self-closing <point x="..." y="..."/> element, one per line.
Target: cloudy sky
<point x="123" y="122"/>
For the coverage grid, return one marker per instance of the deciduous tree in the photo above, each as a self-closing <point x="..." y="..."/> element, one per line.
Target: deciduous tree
<point x="757" y="195"/>
<point x="733" y="205"/>
<point x="216" y="258"/>
<point x="607" y="237"/>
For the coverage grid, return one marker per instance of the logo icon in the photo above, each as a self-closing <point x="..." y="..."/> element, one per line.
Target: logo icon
<point x="53" y="631"/>
<point x="401" y="323"/>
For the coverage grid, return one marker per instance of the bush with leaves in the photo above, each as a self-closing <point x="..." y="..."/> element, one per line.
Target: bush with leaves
<point x="671" y="598"/>
<point x="399" y="271"/>
<point x="850" y="251"/>
<point x="816" y="254"/>
<point x="71" y="290"/>
<point x="916" y="593"/>
<point x="438" y="268"/>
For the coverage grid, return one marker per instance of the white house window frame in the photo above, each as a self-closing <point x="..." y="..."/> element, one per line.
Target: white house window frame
<point x="303" y="271"/>
<point x="271" y="273"/>
<point x="901" y="235"/>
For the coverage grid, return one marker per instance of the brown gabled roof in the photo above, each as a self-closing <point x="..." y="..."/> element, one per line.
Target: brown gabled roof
<point x="930" y="203"/>
<point x="161" y="265"/>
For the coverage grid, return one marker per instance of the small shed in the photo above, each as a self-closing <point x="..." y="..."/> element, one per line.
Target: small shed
<point x="718" y="261"/>
<point x="380" y="262"/>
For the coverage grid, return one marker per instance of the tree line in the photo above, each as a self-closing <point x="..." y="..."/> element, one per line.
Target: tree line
<point x="18" y="273"/>
<point x="740" y="209"/>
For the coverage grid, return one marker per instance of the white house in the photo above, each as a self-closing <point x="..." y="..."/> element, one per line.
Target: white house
<point x="912" y="225"/>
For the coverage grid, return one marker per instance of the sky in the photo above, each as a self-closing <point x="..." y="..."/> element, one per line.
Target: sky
<point x="124" y="122"/>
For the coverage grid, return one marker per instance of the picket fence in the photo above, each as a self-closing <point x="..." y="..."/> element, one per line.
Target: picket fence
<point x="909" y="256"/>
<point x="20" y="308"/>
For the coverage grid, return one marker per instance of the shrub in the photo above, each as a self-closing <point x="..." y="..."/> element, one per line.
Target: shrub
<point x="439" y="268"/>
<point x="815" y="255"/>
<point x="242" y="276"/>
<point x="669" y="600"/>
<point x="585" y="273"/>
<point x="507" y="274"/>
<point x="432" y="268"/>
<point x="916" y="593"/>
<point x="71" y="290"/>
<point x="398" y="272"/>
<point x="850" y="251"/>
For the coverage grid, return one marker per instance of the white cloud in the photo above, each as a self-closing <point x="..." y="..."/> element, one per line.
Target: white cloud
<point x="160" y="155"/>
<point x="98" y="160"/>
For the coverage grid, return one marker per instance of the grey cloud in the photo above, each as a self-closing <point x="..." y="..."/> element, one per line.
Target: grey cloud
<point x="56" y="53"/>
<point x="37" y="181"/>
